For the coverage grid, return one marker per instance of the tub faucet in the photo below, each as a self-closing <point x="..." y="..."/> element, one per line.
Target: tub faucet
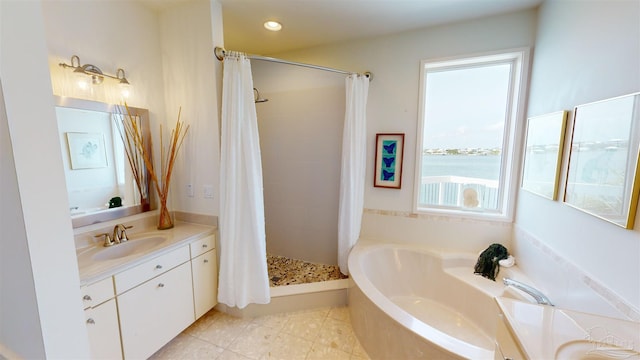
<point x="535" y="293"/>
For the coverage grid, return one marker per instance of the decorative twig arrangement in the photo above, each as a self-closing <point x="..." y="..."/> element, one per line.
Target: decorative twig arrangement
<point x="161" y="180"/>
<point x="130" y="130"/>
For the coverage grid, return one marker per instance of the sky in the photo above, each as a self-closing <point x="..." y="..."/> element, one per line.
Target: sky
<point x="465" y="108"/>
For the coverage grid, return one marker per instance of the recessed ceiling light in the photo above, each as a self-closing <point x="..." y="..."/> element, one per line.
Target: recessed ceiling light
<point x="272" y="25"/>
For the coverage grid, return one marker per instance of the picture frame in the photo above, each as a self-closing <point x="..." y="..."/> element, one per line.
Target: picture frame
<point x="388" y="161"/>
<point x="602" y="173"/>
<point x="543" y="154"/>
<point x="86" y="150"/>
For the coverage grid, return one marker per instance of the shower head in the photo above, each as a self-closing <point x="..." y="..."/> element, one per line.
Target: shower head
<point x="257" y="98"/>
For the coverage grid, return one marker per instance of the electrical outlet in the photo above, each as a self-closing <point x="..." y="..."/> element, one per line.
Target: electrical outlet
<point x="208" y="191"/>
<point x="190" y="190"/>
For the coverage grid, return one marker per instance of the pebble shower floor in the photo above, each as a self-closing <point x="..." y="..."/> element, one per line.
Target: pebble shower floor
<point x="286" y="271"/>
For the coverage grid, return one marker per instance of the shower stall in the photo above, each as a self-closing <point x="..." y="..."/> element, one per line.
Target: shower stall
<point x="300" y="131"/>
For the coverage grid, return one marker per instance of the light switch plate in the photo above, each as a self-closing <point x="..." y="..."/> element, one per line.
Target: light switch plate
<point x="208" y="191"/>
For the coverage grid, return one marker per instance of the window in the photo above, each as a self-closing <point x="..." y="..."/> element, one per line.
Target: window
<point x="466" y="137"/>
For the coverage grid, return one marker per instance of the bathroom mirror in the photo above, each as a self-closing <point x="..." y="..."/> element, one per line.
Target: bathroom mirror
<point x="543" y="154"/>
<point x="100" y="183"/>
<point x="603" y="173"/>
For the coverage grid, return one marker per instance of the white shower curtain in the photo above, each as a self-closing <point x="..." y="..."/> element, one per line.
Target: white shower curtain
<point x="354" y="156"/>
<point x="243" y="275"/>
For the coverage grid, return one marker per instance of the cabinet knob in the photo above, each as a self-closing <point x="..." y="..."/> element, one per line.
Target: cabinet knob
<point x="204" y="245"/>
<point x="90" y="321"/>
<point x="206" y="261"/>
<point x="87" y="298"/>
<point x="158" y="266"/>
<point x="160" y="285"/>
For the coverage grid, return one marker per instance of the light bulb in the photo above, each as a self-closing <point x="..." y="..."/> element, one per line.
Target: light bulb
<point x="125" y="90"/>
<point x="82" y="82"/>
<point x="272" y="25"/>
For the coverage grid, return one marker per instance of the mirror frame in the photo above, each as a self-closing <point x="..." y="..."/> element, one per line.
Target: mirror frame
<point x="116" y="213"/>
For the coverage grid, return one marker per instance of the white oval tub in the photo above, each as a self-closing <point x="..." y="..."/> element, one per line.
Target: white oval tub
<point x="408" y="302"/>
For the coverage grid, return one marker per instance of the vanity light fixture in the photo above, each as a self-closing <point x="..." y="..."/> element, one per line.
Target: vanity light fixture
<point x="272" y="25"/>
<point x="92" y="72"/>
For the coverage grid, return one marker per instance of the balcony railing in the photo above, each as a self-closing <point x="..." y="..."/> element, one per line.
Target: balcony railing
<point x="448" y="191"/>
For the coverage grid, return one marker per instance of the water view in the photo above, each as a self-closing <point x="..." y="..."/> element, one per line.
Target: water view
<point x="455" y="180"/>
<point x="472" y="166"/>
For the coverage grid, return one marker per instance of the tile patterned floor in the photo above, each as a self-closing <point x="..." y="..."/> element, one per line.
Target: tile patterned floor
<point x="319" y="334"/>
<point x="286" y="271"/>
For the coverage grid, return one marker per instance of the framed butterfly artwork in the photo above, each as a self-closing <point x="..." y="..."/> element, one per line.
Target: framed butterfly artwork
<point x="389" y="156"/>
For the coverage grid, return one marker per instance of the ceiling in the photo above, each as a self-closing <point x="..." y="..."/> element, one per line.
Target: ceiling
<point x="309" y="23"/>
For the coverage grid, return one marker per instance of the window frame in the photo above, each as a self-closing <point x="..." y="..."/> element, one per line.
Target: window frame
<point x="512" y="136"/>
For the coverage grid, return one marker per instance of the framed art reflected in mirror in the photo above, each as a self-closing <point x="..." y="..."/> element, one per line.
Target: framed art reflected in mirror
<point x="543" y="151"/>
<point x="602" y="176"/>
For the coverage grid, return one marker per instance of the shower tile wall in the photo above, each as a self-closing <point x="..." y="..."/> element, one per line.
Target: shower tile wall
<point x="301" y="140"/>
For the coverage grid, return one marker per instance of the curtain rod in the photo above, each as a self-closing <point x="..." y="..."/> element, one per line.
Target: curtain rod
<point x="220" y="52"/>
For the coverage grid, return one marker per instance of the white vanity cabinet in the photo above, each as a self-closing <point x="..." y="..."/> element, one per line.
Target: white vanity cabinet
<point x="154" y="312"/>
<point x="103" y="331"/>
<point x="101" y="316"/>
<point x="205" y="275"/>
<point x="135" y="312"/>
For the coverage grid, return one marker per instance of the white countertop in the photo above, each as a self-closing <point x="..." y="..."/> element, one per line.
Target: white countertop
<point x="182" y="233"/>
<point x="548" y="332"/>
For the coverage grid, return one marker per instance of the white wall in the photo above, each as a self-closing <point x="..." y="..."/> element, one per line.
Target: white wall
<point x="189" y="34"/>
<point x="168" y="59"/>
<point x="17" y="291"/>
<point x="574" y="62"/>
<point x="585" y="51"/>
<point x="301" y="142"/>
<point x="393" y="107"/>
<point x="40" y="308"/>
<point x="125" y="35"/>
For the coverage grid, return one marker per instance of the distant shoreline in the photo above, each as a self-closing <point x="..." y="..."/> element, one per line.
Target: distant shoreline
<point x="464" y="152"/>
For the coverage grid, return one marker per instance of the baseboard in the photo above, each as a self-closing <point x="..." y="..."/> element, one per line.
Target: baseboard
<point x="295" y="298"/>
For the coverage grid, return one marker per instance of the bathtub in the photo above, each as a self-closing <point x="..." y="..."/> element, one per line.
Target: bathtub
<point x="408" y="302"/>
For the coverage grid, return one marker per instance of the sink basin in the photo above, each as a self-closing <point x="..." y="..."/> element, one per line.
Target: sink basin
<point x="128" y="248"/>
<point x="594" y="350"/>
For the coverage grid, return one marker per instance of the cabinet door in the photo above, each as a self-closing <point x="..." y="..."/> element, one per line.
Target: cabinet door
<point x="205" y="282"/>
<point x="154" y="312"/>
<point x="104" y="334"/>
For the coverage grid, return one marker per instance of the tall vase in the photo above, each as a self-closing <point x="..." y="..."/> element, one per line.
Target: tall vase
<point x="164" y="221"/>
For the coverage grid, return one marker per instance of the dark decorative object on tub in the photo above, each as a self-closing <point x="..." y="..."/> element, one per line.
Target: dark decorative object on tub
<point x="488" y="262"/>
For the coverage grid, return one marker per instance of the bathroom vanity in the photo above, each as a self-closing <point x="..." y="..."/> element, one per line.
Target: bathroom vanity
<point x="141" y="293"/>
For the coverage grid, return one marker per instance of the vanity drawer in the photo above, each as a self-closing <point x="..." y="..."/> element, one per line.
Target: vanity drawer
<point x="152" y="268"/>
<point x="97" y="293"/>
<point x="203" y="245"/>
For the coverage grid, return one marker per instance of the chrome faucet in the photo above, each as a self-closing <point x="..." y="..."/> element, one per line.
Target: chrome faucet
<point x="535" y="293"/>
<point x="119" y="234"/>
